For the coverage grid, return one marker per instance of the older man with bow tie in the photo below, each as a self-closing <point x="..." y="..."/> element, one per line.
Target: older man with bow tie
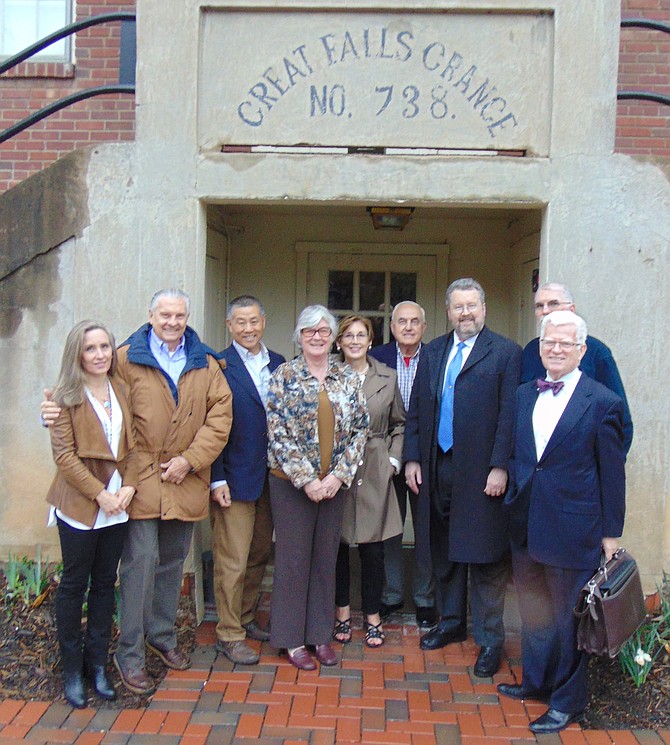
<point x="566" y="503"/>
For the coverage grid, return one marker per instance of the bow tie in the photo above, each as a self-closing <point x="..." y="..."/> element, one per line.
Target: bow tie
<point x="548" y="385"/>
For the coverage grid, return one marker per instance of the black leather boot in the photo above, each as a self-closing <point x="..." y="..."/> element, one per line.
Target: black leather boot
<point x="98" y="676"/>
<point x="74" y="689"/>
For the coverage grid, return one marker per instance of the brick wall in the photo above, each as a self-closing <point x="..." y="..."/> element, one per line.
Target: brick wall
<point x="642" y="127"/>
<point x="31" y="86"/>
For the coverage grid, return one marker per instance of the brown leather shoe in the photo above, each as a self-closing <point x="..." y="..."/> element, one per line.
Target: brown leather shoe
<point x="135" y="679"/>
<point x="254" y="631"/>
<point x="172" y="658"/>
<point x="238" y="652"/>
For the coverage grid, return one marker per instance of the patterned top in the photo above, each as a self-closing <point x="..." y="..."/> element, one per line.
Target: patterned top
<point x="293" y="403"/>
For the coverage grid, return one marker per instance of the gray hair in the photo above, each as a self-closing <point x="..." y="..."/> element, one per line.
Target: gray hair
<point x="408" y="302"/>
<point x="565" y="318"/>
<point x="563" y="289"/>
<point x="173" y="293"/>
<point x="465" y="283"/>
<point x="243" y="301"/>
<point x="310" y="317"/>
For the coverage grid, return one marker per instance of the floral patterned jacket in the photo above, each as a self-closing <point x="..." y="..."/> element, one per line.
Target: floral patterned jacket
<point x="292" y="421"/>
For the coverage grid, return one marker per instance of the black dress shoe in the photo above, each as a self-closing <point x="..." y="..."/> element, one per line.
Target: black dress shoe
<point x="488" y="662"/>
<point x="441" y="635"/>
<point x="554" y="720"/>
<point x="511" y="690"/>
<point x="96" y="674"/>
<point x="386" y="610"/>
<point x="74" y="690"/>
<point x="426" y="617"/>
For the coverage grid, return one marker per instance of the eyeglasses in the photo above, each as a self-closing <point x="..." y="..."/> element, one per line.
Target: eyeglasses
<point x="324" y="332"/>
<point x="551" y="305"/>
<point x="564" y="346"/>
<point x="470" y="308"/>
<point x="362" y="336"/>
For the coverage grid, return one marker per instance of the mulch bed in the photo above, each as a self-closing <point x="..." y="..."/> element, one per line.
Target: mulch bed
<point x="30" y="669"/>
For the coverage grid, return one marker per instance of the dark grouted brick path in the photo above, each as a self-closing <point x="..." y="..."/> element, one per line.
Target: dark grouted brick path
<point x="397" y="694"/>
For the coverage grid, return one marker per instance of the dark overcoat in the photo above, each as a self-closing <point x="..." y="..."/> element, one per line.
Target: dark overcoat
<point x="483" y="421"/>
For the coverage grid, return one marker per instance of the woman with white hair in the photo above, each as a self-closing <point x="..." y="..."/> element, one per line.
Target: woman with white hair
<point x="317" y="429"/>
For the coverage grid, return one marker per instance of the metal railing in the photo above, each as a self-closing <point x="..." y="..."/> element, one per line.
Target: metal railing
<point x="644" y="95"/>
<point x="126" y="67"/>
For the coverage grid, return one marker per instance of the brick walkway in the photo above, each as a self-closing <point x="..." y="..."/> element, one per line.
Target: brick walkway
<point x="397" y="694"/>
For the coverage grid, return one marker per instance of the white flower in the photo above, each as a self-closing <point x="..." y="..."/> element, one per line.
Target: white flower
<point x="642" y="657"/>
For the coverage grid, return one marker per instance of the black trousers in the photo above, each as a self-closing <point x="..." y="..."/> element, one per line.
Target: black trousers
<point x="90" y="561"/>
<point x="488" y="582"/>
<point x="372" y="576"/>
<point x="551" y="661"/>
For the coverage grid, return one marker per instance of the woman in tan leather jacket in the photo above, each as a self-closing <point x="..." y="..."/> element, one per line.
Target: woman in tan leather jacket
<point x="92" y="442"/>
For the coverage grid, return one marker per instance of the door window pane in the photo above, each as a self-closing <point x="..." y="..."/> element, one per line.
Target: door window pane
<point x="403" y="287"/>
<point x="370" y="294"/>
<point x="371" y="291"/>
<point x="340" y="290"/>
<point x="23" y="22"/>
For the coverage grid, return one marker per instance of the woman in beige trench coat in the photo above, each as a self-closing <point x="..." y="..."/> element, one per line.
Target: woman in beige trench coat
<point x="371" y="513"/>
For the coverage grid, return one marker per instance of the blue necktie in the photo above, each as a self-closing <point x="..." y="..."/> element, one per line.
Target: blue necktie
<point x="445" y="432"/>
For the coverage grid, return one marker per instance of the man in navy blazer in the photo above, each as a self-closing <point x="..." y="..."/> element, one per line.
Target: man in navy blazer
<point x="458" y="439"/>
<point x="408" y="325"/>
<point x="598" y="362"/>
<point x="240" y="508"/>
<point x="566" y="503"/>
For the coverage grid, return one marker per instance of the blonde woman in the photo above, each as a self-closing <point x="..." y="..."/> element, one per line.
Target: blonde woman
<point x="92" y="442"/>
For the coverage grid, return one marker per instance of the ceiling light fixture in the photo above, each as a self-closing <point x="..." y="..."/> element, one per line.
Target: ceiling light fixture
<point x="390" y="218"/>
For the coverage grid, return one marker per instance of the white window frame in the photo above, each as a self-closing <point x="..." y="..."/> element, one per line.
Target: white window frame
<point x="45" y="55"/>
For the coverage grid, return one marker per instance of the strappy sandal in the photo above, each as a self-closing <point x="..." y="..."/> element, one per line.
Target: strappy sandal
<point x="343" y="628"/>
<point x="373" y="631"/>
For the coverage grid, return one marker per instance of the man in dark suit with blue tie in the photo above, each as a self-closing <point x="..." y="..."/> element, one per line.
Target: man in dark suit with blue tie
<point x="566" y="503"/>
<point x="458" y="439"/>
<point x="408" y="325"/>
<point x="240" y="507"/>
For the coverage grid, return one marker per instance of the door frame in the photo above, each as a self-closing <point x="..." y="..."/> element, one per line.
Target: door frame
<point x="439" y="251"/>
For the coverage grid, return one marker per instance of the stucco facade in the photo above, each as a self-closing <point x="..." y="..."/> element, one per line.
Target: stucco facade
<point x="201" y="200"/>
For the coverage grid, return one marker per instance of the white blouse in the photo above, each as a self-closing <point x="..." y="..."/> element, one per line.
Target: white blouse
<point x="112" y="427"/>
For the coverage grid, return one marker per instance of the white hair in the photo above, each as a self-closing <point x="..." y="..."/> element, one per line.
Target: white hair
<point x="560" y="287"/>
<point x="173" y="293"/>
<point x="408" y="302"/>
<point x="310" y="317"/>
<point x="565" y="318"/>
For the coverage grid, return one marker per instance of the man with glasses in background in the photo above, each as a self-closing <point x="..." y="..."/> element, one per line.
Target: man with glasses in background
<point x="408" y="325"/>
<point x="598" y="362"/>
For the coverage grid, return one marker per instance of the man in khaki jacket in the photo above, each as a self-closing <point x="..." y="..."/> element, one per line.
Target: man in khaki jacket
<point x="182" y="413"/>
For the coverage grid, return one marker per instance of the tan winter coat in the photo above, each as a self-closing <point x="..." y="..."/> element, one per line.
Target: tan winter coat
<point x="371" y="511"/>
<point x="197" y="428"/>
<point x="85" y="462"/>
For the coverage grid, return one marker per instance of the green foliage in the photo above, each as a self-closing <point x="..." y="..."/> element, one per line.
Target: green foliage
<point x="639" y="653"/>
<point x="26" y="578"/>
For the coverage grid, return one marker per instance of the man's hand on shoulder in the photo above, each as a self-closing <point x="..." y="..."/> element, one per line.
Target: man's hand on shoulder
<point x="49" y="410"/>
